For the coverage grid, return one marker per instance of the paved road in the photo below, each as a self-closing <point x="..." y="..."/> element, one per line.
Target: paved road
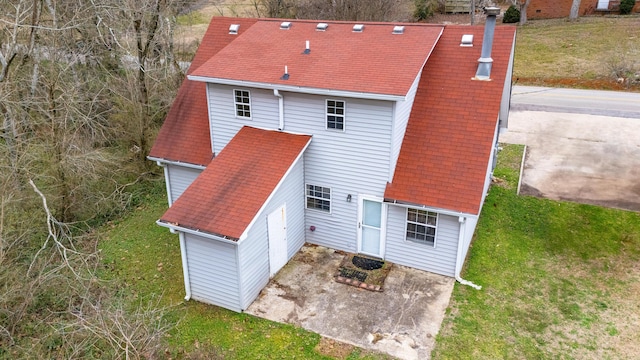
<point x="583" y="145"/>
<point x="576" y="101"/>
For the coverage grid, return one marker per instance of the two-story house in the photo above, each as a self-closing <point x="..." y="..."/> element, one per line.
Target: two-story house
<point x="371" y="138"/>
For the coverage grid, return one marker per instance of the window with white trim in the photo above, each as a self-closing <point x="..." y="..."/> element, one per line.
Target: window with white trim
<point x="318" y="198"/>
<point x="242" y="100"/>
<point x="335" y="115"/>
<point x="421" y="226"/>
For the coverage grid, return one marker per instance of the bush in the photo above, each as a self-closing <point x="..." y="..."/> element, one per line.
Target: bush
<point x="424" y="9"/>
<point x="512" y="15"/>
<point x="626" y="6"/>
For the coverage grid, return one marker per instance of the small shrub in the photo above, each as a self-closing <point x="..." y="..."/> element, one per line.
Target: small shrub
<point x="626" y="6"/>
<point x="512" y="15"/>
<point x="424" y="9"/>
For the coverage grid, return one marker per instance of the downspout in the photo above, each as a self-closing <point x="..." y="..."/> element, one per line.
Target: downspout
<point x="460" y="259"/>
<point x="280" y="108"/>
<point x="165" y="168"/>
<point x="185" y="267"/>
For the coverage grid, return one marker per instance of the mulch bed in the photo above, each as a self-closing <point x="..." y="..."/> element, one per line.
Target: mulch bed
<point x="363" y="272"/>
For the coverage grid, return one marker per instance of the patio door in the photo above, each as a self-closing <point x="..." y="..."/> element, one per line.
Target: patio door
<point x="371" y="225"/>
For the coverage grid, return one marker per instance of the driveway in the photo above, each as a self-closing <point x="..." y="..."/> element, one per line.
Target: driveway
<point x="402" y="321"/>
<point x="574" y="152"/>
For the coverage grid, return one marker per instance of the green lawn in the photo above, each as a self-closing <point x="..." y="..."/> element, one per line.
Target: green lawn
<point x="560" y="280"/>
<point x="143" y="261"/>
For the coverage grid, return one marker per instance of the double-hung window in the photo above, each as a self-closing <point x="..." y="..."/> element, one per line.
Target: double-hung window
<point x="242" y="100"/>
<point x="318" y="198"/>
<point x="335" y="115"/>
<point x="421" y="226"/>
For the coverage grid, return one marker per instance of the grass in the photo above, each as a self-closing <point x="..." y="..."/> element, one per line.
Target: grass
<point x="560" y="280"/>
<point x="586" y="51"/>
<point x="142" y="260"/>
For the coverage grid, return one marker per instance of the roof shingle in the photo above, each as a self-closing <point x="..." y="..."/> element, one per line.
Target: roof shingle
<point x="448" y="140"/>
<point x="228" y="194"/>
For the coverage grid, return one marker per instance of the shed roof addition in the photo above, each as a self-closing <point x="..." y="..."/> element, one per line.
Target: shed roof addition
<point x="226" y="197"/>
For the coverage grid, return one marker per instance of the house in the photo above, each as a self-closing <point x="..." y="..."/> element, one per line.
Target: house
<point x="371" y="138"/>
<point x="552" y="9"/>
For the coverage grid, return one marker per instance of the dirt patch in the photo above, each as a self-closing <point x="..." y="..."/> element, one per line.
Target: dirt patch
<point x="335" y="349"/>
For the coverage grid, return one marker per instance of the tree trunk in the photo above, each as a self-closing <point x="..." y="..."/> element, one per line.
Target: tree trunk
<point x="523" y="11"/>
<point x="575" y="8"/>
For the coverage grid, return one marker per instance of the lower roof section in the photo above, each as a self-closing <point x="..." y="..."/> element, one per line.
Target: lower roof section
<point x="226" y="197"/>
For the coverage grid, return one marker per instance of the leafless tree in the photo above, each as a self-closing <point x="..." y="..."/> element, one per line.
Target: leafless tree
<point x="575" y="9"/>
<point x="524" y="4"/>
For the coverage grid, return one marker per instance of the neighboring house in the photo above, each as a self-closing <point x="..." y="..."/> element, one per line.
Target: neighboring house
<point x="551" y="9"/>
<point x="369" y="138"/>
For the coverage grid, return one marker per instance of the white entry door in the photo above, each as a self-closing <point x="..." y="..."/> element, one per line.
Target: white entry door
<point x="277" y="232"/>
<point x="371" y="225"/>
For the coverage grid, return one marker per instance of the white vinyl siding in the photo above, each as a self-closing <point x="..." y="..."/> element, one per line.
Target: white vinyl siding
<point x="212" y="271"/>
<point x="402" y="114"/>
<point x="440" y="259"/>
<point x="180" y="178"/>
<point x="354" y="162"/>
<point x="225" y="125"/>
<point x="254" y="250"/>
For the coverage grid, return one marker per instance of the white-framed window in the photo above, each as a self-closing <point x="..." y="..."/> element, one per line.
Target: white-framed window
<point x="318" y="198"/>
<point x="335" y="114"/>
<point x="242" y="102"/>
<point x="422" y="226"/>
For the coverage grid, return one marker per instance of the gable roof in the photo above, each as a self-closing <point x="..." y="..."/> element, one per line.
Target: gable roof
<point x="237" y="182"/>
<point x="448" y="141"/>
<point x="184" y="136"/>
<point x="372" y="61"/>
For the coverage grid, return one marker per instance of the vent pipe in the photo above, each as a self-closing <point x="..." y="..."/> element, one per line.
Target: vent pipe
<point x="485" y="61"/>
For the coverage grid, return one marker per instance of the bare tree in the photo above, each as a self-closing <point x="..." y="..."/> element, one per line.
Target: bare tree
<point x="524" y="4"/>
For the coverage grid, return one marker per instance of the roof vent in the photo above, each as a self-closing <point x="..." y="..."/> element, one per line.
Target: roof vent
<point x="467" y="40"/>
<point x="398" y="30"/>
<point x="322" y="26"/>
<point x="233" y="29"/>
<point x="358" y="27"/>
<point x="285" y="25"/>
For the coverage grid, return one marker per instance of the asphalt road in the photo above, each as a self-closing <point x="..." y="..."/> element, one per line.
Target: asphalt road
<point x="576" y="101"/>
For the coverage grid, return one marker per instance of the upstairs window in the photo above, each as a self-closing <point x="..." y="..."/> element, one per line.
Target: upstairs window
<point x="335" y="115"/>
<point x="318" y="198"/>
<point x="242" y="101"/>
<point x="421" y="226"/>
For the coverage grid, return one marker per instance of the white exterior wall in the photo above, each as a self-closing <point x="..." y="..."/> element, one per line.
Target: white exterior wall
<point x="213" y="274"/>
<point x="505" y="103"/>
<point x="402" y="114"/>
<point x="180" y="178"/>
<point x="254" y="250"/>
<point x="440" y="259"/>
<point x="354" y="162"/>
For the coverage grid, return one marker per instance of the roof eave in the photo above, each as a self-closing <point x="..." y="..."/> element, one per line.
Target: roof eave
<point x="177" y="227"/>
<point x="298" y="89"/>
<point x="429" y="208"/>
<point x="178" y="163"/>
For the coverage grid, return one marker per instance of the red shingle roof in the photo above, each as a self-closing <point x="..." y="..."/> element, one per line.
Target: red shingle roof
<point x="228" y="194"/>
<point x="184" y="136"/>
<point x="373" y="61"/>
<point x="448" y="141"/>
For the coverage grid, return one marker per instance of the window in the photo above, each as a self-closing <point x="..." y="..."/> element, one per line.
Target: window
<point x="318" y="198"/>
<point x="243" y="103"/>
<point x="421" y="226"/>
<point x="335" y="115"/>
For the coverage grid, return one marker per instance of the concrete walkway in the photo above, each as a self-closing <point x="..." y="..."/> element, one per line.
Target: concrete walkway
<point x="585" y="158"/>
<point x="402" y="321"/>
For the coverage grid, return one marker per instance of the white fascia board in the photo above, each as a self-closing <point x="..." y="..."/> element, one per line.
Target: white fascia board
<point x="430" y="208"/>
<point x="195" y="232"/>
<point x="178" y="163"/>
<point x="298" y="89"/>
<point x="264" y="204"/>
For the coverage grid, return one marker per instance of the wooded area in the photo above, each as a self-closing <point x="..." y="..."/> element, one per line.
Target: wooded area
<point x="84" y="86"/>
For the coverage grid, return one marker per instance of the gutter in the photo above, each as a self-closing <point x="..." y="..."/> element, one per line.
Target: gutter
<point x="460" y="258"/>
<point x="280" y="108"/>
<point x="160" y="161"/>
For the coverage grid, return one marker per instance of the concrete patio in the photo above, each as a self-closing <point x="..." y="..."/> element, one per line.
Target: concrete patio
<point x="402" y="321"/>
